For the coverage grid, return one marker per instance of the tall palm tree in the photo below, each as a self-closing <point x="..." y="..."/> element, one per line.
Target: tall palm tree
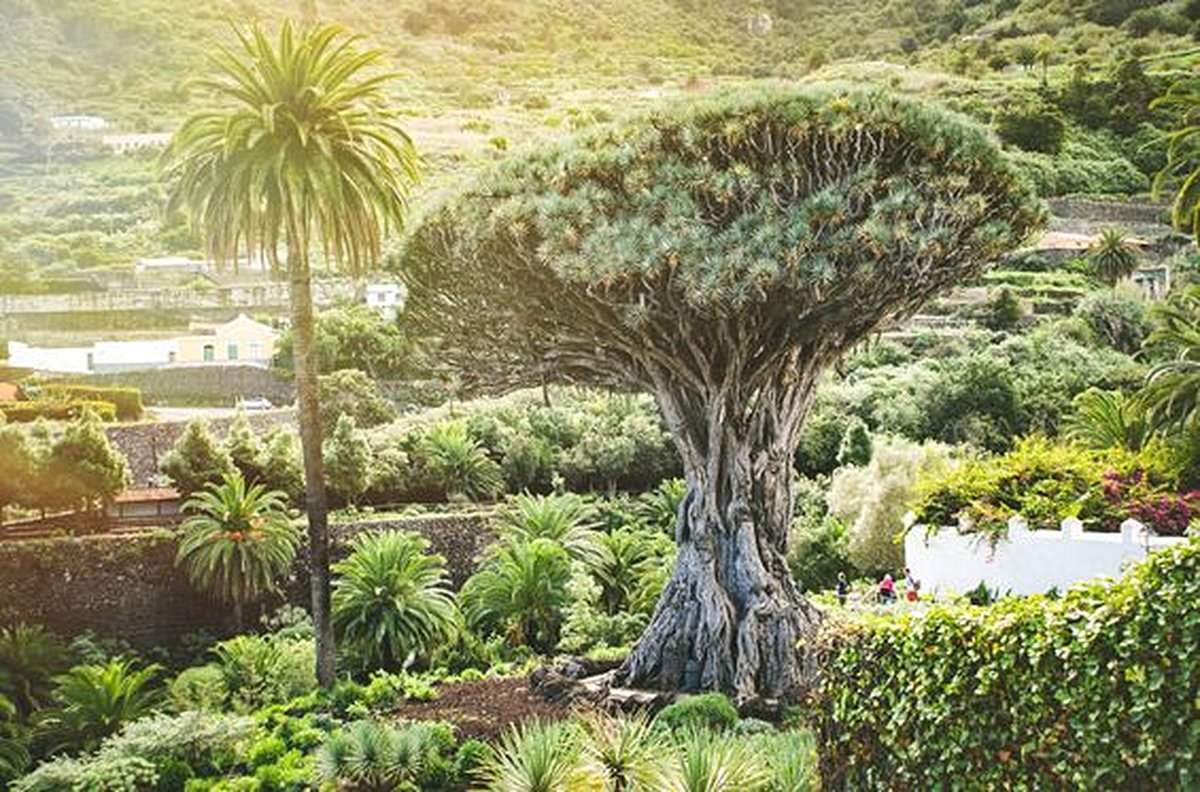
<point x="1182" y="171"/>
<point x="238" y="542"/>
<point x="302" y="156"/>
<point x="1112" y="257"/>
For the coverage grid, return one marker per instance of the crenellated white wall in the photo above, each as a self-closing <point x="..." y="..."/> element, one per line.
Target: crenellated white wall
<point x="1026" y="562"/>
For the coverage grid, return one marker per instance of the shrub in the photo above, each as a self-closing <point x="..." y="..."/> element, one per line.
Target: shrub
<point x="1116" y="318"/>
<point x="711" y="711"/>
<point x="347" y="457"/>
<point x="196" y="460"/>
<point x="27" y="412"/>
<point x="459" y="463"/>
<point x="1091" y="690"/>
<point x="30" y="658"/>
<point x="375" y="756"/>
<point x="262" y="670"/>
<point x="1032" y="127"/>
<point x="126" y="402"/>
<point x="199" y="688"/>
<point x="90" y="702"/>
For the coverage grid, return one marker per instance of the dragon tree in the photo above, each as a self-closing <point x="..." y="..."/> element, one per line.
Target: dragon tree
<point x="720" y="256"/>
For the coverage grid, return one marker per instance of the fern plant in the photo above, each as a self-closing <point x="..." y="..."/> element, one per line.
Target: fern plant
<point x="90" y="702"/>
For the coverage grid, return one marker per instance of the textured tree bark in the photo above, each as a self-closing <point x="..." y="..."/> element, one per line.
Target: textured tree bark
<point x="731" y="618"/>
<point x="315" y="501"/>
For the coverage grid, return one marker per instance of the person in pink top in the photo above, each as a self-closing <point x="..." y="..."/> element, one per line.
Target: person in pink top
<point x="887" y="589"/>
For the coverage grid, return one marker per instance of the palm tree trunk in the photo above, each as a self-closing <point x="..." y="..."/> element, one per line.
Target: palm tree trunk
<point x="316" y="504"/>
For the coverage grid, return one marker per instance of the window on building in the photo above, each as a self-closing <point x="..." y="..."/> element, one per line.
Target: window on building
<point x="255" y="351"/>
<point x="231" y="352"/>
<point x="210" y="353"/>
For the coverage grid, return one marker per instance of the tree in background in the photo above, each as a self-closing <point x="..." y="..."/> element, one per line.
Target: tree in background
<point x="196" y="460"/>
<point x="245" y="448"/>
<point x="1112" y="257"/>
<point x="354" y="337"/>
<point x="304" y="154"/>
<point x="353" y="392"/>
<point x="18" y="467"/>
<point x="238" y="542"/>
<point x="282" y="468"/>
<point x="347" y="457"/>
<point x="1182" y="172"/>
<point x="84" y="466"/>
<point x="720" y="256"/>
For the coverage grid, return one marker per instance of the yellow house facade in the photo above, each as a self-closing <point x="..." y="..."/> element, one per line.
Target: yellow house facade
<point x="241" y="341"/>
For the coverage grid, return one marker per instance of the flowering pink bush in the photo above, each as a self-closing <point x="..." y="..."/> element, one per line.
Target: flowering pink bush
<point x="1166" y="513"/>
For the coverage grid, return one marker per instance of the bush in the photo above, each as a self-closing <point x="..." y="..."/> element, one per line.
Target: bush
<point x="712" y="711"/>
<point x="200" y="688"/>
<point x="1032" y="127"/>
<point x="262" y="670"/>
<point x="196" y="460"/>
<point x="126" y="402"/>
<point x="29" y="411"/>
<point x="1116" y="318"/>
<point x="1088" y="691"/>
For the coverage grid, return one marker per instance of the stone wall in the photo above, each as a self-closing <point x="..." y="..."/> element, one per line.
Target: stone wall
<point x="198" y="386"/>
<point x="128" y="586"/>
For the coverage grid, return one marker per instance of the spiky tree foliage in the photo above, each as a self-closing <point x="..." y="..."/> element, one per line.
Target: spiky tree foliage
<point x="708" y="762"/>
<point x="302" y="154"/>
<point x="1182" y="172"/>
<point x="1112" y="257"/>
<point x="90" y="702"/>
<point x="520" y="592"/>
<point x="1171" y="395"/>
<point x="720" y="256"/>
<point x="392" y="600"/>
<point x="30" y="658"/>
<point x="238" y="542"/>
<point x="1108" y="419"/>
<point x="566" y="519"/>
<point x="459" y="463"/>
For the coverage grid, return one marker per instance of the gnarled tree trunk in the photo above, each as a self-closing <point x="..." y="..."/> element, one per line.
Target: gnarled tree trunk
<point x="732" y="618"/>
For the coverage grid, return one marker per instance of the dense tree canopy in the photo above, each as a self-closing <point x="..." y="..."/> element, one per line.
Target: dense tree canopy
<point x="720" y="256"/>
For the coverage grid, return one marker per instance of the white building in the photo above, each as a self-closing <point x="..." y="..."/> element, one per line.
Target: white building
<point x="102" y="356"/>
<point x="78" y="123"/>
<point x="386" y="298"/>
<point x="138" y="141"/>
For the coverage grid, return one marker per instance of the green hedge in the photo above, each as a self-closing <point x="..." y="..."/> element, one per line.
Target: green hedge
<point x="126" y="401"/>
<point x="22" y="412"/>
<point x="1097" y="690"/>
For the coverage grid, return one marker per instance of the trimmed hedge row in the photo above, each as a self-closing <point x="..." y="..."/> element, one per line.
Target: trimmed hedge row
<point x="126" y="401"/>
<point x="26" y="411"/>
<point x="1097" y="690"/>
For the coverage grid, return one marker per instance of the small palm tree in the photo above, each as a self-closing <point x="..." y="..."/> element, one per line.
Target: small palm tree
<point x="1171" y="395"/>
<point x="660" y="506"/>
<point x="1182" y="171"/>
<point x="392" y="599"/>
<point x="565" y="518"/>
<point x="520" y="592"/>
<point x="238" y="542"/>
<point x="1112" y="257"/>
<point x="30" y="658"/>
<point x="1107" y="419"/>
<point x="91" y="702"/>
<point x="14" y="755"/>
<point x="304" y="155"/>
<point x="539" y="757"/>
<point x="460" y="464"/>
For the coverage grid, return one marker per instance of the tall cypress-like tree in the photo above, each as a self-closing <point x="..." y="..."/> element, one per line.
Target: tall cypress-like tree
<point x="303" y="156"/>
<point x="719" y="256"/>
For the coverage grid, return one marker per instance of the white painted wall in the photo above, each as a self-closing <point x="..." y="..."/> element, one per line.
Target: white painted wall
<point x="68" y="360"/>
<point x="1027" y="562"/>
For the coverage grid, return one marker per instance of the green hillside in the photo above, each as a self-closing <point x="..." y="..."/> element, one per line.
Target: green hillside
<point x="1066" y="84"/>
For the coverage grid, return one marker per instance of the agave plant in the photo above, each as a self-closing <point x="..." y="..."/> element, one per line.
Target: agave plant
<point x="391" y="599"/>
<point x="626" y="753"/>
<point x="367" y="756"/>
<point x="565" y="518"/>
<point x="30" y="657"/>
<point x="520" y="592"/>
<point x="460" y="464"/>
<point x="91" y="702"/>
<point x="238" y="542"/>
<point x="539" y="757"/>
<point x="709" y="762"/>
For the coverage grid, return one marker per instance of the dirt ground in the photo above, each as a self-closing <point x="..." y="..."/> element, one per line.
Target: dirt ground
<point x="484" y="709"/>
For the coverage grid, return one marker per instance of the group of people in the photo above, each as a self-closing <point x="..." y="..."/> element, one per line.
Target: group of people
<point x="886" y="591"/>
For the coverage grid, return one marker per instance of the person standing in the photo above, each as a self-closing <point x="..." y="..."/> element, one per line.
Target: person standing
<point x="887" y="589"/>
<point x="843" y="588"/>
